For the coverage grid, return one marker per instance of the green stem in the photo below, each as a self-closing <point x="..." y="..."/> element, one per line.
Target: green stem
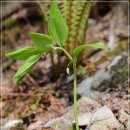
<point x="68" y="55"/>
<point x="75" y="84"/>
<point x="75" y="96"/>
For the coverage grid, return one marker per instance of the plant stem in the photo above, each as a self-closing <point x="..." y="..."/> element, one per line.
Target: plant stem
<point x="75" y="96"/>
<point x="67" y="54"/>
<point x="75" y="84"/>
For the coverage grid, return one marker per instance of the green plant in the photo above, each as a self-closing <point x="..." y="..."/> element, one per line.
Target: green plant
<point x="76" y="14"/>
<point x="58" y="33"/>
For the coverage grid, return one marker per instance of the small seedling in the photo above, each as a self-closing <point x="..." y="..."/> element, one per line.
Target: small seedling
<point x="58" y="33"/>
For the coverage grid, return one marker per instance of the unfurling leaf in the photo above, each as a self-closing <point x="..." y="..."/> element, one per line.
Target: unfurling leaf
<point x="26" y="67"/>
<point x="41" y="41"/>
<point x="78" y="49"/>
<point x="23" y="54"/>
<point x="57" y="26"/>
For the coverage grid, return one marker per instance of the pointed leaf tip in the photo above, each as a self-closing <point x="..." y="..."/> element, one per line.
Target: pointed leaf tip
<point x="23" y="53"/>
<point x="26" y="67"/>
<point x="41" y="41"/>
<point x="57" y="26"/>
<point x="78" y="49"/>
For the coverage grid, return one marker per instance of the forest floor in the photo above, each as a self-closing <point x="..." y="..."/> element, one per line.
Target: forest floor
<point x="37" y="99"/>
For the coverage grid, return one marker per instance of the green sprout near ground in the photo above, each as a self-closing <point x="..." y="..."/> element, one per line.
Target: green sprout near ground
<point x="58" y="33"/>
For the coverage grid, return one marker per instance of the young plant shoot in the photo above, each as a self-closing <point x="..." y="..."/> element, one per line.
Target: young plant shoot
<point x="58" y="33"/>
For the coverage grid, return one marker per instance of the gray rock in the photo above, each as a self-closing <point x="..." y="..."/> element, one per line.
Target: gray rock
<point x="12" y="124"/>
<point x="90" y="114"/>
<point x="59" y="124"/>
<point x="101" y="119"/>
<point x="101" y="80"/>
<point x="84" y="88"/>
<point x="115" y="75"/>
<point x="119" y="69"/>
<point x="84" y="104"/>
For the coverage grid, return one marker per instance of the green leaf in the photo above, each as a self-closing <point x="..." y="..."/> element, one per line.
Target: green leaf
<point x="78" y="49"/>
<point x="23" y="54"/>
<point x="26" y="67"/>
<point x="57" y="26"/>
<point x="41" y="41"/>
